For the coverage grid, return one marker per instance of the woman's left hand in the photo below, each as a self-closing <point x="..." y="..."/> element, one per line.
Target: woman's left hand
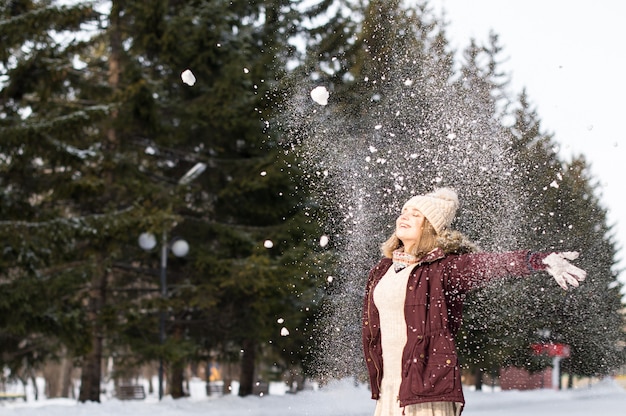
<point x="562" y="270"/>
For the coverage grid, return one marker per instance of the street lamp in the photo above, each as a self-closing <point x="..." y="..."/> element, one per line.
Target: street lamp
<point x="180" y="248"/>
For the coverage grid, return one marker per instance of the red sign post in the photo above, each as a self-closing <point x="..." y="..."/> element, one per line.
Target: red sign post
<point x="557" y="352"/>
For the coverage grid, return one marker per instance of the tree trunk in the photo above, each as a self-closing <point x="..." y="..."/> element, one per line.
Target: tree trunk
<point x="567" y="366"/>
<point x="66" y="372"/>
<point x="33" y="380"/>
<point x="92" y="362"/>
<point x="177" y="368"/>
<point x="52" y="374"/>
<point x="478" y="379"/>
<point x="246" y="378"/>
<point x="58" y="376"/>
<point x="177" y="378"/>
<point x="90" y="373"/>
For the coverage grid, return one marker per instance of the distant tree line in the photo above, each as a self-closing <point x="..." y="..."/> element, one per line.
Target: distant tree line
<point x="97" y="130"/>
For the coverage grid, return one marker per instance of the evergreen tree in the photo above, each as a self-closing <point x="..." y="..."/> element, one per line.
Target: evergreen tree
<point x="67" y="196"/>
<point x="591" y="320"/>
<point x="560" y="212"/>
<point x="101" y="129"/>
<point x="563" y="212"/>
<point x="250" y="191"/>
<point x="491" y="214"/>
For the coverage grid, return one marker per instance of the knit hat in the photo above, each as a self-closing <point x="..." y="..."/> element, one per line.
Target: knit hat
<point x="439" y="207"/>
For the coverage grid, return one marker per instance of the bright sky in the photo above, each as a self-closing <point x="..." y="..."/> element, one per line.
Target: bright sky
<point x="570" y="58"/>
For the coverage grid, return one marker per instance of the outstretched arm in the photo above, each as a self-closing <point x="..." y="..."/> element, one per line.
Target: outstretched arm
<point x="466" y="272"/>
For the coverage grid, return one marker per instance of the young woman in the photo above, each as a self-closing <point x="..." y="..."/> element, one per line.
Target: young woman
<point x="414" y="300"/>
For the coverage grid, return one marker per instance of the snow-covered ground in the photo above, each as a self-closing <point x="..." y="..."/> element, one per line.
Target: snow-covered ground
<point x="605" y="398"/>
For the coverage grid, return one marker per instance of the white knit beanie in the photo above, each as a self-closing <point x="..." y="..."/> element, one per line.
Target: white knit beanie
<point x="439" y="207"/>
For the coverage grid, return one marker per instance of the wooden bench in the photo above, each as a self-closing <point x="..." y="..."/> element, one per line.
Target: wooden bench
<point x="130" y="392"/>
<point x="214" y="389"/>
<point x="12" y="396"/>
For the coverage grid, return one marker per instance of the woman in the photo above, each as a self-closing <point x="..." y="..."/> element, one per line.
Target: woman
<point x="413" y="305"/>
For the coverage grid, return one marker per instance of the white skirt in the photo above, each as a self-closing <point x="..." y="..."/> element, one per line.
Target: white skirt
<point x="392" y="408"/>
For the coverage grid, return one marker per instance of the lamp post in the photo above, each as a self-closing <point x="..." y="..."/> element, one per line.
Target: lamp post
<point x="180" y="248"/>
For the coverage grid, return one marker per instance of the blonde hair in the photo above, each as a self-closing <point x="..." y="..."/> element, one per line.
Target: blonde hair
<point x="427" y="243"/>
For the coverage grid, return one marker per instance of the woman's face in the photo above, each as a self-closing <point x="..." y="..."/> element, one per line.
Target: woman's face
<point x="409" y="227"/>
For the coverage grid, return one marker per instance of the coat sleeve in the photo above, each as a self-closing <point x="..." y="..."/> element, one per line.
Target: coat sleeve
<point x="469" y="271"/>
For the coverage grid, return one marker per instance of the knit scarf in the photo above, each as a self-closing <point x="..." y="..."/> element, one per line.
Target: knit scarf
<point x="402" y="260"/>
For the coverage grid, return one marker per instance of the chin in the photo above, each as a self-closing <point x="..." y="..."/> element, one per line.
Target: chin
<point x="402" y="233"/>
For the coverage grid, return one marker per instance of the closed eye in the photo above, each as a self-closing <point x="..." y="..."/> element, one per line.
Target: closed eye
<point x="414" y="212"/>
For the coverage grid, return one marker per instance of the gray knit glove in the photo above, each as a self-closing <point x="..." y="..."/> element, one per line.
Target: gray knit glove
<point x="562" y="270"/>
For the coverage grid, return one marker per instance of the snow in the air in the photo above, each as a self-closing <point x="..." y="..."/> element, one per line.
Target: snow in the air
<point x="188" y="77"/>
<point x="320" y="95"/>
<point x="342" y="398"/>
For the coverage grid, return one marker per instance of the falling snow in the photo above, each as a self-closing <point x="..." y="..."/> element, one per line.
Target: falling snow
<point x="320" y="95"/>
<point x="188" y="77"/>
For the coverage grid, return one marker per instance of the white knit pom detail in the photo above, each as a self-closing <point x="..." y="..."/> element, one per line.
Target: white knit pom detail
<point x="447" y="194"/>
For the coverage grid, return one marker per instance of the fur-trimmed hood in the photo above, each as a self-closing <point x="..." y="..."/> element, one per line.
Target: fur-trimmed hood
<point x="454" y="242"/>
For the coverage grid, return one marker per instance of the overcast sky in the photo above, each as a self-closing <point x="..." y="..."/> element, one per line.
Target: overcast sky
<point x="570" y="58"/>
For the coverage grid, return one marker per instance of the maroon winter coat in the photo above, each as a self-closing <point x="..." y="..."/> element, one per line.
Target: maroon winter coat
<point x="433" y="308"/>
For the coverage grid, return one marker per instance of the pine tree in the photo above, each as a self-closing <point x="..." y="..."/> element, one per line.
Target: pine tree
<point x="101" y="130"/>
<point x="250" y="190"/>
<point x="62" y="200"/>
<point x="560" y="212"/>
<point x="491" y="213"/>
